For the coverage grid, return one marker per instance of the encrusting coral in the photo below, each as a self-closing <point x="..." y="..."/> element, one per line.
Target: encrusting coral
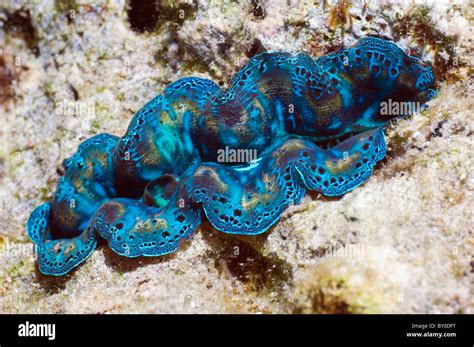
<point x="90" y="66"/>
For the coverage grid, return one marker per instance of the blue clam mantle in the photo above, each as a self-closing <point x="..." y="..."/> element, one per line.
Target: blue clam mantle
<point x="145" y="192"/>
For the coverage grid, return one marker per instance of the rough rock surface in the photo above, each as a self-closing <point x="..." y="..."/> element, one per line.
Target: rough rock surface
<point x="403" y="242"/>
